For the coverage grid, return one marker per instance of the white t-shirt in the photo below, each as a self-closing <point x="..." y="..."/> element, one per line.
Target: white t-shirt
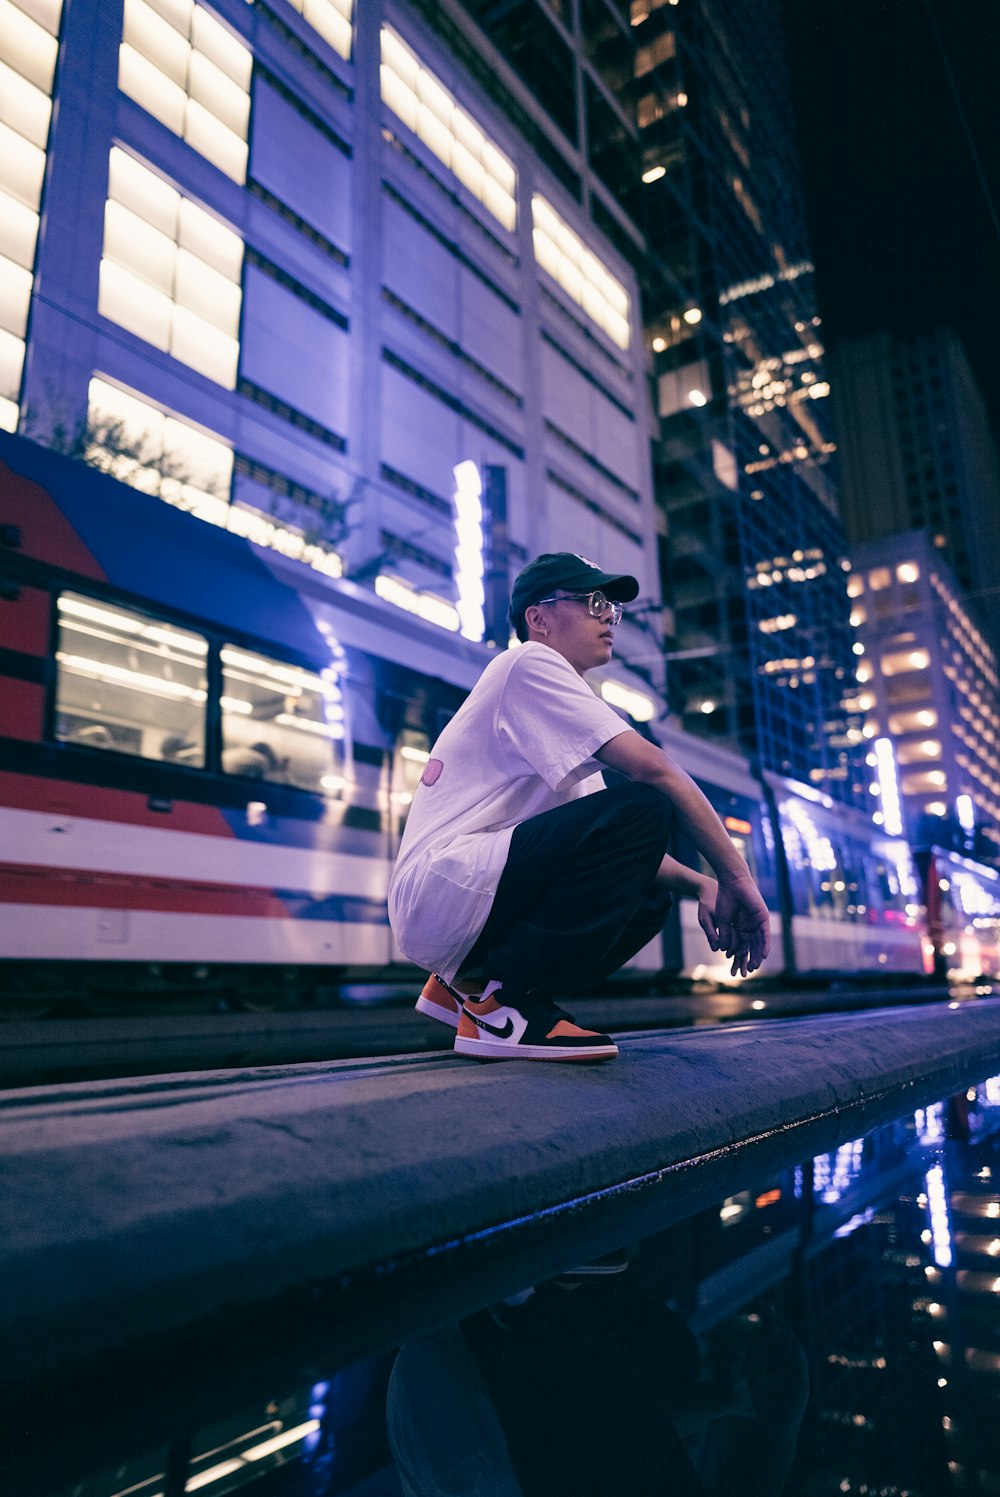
<point x="522" y="743"/>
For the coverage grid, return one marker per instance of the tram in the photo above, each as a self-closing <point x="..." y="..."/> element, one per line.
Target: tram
<point x="200" y="771"/>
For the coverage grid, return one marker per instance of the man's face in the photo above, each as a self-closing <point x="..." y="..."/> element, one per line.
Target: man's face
<point x="567" y="625"/>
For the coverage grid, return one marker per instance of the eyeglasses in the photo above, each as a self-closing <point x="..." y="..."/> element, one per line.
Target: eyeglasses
<point x="597" y="605"/>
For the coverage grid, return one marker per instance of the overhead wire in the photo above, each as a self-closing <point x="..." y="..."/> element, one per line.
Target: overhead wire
<point x="963" y="118"/>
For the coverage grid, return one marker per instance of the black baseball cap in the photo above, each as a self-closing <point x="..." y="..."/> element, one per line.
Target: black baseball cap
<point x="564" y="571"/>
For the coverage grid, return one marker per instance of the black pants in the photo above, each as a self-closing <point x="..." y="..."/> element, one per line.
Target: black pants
<point x="577" y="896"/>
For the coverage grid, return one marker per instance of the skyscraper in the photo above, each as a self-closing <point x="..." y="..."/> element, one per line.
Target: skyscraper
<point x="917" y="452"/>
<point x="930" y="684"/>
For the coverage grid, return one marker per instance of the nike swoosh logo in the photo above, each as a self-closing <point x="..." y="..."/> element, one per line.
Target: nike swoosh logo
<point x="503" y="1033"/>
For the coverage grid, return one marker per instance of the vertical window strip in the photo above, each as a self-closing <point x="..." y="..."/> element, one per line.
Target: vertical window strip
<point x="28" y="49"/>
<point x="584" y="278"/>
<point x="331" y="19"/>
<point x="187" y="70"/>
<point x="413" y="93"/>
<point x="170" y="272"/>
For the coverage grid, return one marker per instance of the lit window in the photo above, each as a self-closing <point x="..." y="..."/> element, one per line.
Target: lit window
<point x="659" y="51"/>
<point x="879" y="579"/>
<point x="281" y="722"/>
<point x="898" y="661"/>
<point x="908" y="571"/>
<point x="912" y="722"/>
<point x="413" y="93"/>
<point x="425" y="605"/>
<point x="28" y="48"/>
<point x="158" y="453"/>
<point x="170" y="272"/>
<point x="579" y="272"/>
<point x="192" y="74"/>
<point x="931" y="782"/>
<point x="331" y="18"/>
<point x="288" y="539"/>
<point x="129" y="683"/>
<point x="917" y="753"/>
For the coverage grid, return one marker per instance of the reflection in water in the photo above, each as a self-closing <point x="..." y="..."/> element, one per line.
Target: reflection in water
<point x="834" y="1329"/>
<point x="590" y="1387"/>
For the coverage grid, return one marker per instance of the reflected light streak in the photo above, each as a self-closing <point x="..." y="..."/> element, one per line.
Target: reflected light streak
<point x="937" y="1208"/>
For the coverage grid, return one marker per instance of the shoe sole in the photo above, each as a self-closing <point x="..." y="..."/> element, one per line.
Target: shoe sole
<point x="435" y="1011"/>
<point x="497" y="1050"/>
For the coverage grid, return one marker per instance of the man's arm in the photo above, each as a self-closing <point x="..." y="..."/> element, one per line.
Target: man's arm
<point x="684" y="881"/>
<point x="742" y="924"/>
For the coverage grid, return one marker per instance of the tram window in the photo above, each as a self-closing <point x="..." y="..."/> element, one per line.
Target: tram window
<point x="128" y="682"/>
<point x="890" y="886"/>
<point x="280" y="722"/>
<point x="830" y="885"/>
<point x="744" y="847"/>
<point x="409" y="763"/>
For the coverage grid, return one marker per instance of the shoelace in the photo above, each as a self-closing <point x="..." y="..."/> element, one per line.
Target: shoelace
<point x="538" y="1006"/>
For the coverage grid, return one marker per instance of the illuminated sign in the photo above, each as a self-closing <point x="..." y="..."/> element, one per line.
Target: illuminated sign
<point x="888" y="785"/>
<point x="469" y="550"/>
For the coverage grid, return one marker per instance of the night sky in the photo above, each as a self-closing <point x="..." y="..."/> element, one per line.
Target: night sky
<point x="903" y="236"/>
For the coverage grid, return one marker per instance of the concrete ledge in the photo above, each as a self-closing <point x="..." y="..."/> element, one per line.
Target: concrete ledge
<point x="175" y="1244"/>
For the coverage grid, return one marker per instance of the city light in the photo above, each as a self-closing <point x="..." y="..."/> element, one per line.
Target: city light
<point x="966" y="812"/>
<point x="640" y="707"/>
<point x="584" y="278"/>
<point x="469" y="550"/>
<point x="937" y="1207"/>
<point x="418" y="97"/>
<point x="424" y="605"/>
<point x="888" y="783"/>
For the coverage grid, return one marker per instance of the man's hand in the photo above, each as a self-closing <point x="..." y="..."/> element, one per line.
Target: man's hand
<point x="707" y="895"/>
<point x="741" y="925"/>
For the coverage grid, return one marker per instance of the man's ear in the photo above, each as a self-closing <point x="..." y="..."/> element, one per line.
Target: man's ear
<point x="535" y="619"/>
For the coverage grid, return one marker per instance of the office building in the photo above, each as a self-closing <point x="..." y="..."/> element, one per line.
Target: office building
<point x="916" y="451"/>
<point x="300" y="271"/>
<point x="928" y="681"/>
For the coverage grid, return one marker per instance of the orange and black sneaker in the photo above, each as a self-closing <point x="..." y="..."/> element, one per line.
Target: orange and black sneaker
<point x="529" y="1027"/>
<point x="441" y="1000"/>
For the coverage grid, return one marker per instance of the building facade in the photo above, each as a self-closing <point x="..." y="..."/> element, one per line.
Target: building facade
<point x="916" y="451"/>
<point x="929" y="683"/>
<point x="295" y="269"/>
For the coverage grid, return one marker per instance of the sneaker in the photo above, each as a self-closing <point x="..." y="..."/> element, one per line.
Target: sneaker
<point x="441" y="1000"/>
<point x="533" y="1030"/>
